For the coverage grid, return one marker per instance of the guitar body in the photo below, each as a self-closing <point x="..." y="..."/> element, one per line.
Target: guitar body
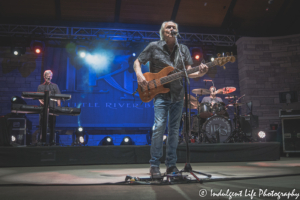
<point x="148" y="95"/>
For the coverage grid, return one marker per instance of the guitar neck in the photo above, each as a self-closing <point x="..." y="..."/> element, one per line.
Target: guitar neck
<point x="179" y="75"/>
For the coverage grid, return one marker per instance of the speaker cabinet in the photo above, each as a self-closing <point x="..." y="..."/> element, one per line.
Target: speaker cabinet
<point x="249" y="123"/>
<point x="19" y="132"/>
<point x="291" y="134"/>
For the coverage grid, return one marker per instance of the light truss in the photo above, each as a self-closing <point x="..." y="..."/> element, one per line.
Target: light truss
<point x="59" y="32"/>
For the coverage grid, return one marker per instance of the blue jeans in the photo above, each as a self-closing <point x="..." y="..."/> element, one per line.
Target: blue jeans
<point x="165" y="110"/>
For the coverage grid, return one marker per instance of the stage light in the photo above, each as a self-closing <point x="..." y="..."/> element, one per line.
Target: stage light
<point x="196" y="53"/>
<point x="82" y="54"/>
<point x="37" y="51"/>
<point x="37" y="46"/>
<point x="80" y="128"/>
<point x="81" y="51"/>
<point x="80" y="137"/>
<point x="13" y="138"/>
<point x="133" y="54"/>
<point x="212" y="59"/>
<point x="18" y="51"/>
<point x="106" y="141"/>
<point x="127" y="141"/>
<point x="17" y="100"/>
<point x="261" y="134"/>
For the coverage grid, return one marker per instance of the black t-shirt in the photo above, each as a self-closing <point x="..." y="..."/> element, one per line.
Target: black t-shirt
<point x="159" y="56"/>
<point x="51" y="87"/>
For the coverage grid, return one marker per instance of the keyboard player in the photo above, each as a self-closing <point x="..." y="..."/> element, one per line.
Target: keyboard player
<point x="48" y="85"/>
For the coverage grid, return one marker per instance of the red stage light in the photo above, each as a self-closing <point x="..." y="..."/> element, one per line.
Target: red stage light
<point x="37" y="51"/>
<point x="197" y="57"/>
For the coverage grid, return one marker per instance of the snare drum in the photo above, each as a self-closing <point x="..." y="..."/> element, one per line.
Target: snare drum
<point x="205" y="110"/>
<point x="219" y="108"/>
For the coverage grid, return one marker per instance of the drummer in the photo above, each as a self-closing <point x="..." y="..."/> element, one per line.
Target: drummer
<point x="212" y="99"/>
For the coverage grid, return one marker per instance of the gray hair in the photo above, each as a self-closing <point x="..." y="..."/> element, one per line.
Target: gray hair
<point x="161" y="31"/>
<point x="48" y="72"/>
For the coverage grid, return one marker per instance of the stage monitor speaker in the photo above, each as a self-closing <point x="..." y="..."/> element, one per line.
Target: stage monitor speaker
<point x="291" y="134"/>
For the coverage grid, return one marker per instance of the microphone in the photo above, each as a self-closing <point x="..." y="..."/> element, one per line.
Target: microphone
<point x="175" y="33"/>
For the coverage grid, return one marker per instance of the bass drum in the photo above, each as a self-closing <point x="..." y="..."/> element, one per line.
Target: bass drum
<point x="217" y="129"/>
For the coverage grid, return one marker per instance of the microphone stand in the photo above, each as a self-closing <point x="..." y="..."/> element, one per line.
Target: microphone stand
<point x="187" y="167"/>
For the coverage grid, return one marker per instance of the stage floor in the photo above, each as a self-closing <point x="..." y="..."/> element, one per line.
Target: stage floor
<point x="107" y="181"/>
<point x="132" y="154"/>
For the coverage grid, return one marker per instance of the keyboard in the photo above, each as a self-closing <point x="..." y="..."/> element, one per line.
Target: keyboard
<point x="33" y="109"/>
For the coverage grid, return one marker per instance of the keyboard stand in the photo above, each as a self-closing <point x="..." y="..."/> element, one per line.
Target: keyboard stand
<point x="45" y="117"/>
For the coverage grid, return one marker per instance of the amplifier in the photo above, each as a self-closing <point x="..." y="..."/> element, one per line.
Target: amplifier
<point x="291" y="134"/>
<point x="289" y="113"/>
<point x="19" y="130"/>
<point x="248" y="124"/>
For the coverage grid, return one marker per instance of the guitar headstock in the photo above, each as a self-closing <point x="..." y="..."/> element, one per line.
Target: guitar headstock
<point x="222" y="60"/>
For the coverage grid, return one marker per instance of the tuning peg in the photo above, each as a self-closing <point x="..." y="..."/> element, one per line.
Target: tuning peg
<point x="219" y="55"/>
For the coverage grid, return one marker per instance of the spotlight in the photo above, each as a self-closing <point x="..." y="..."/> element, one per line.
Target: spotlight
<point x="106" y="141"/>
<point x="81" y="51"/>
<point x="17" y="100"/>
<point x="127" y="141"/>
<point x="261" y="134"/>
<point x="82" y="54"/>
<point x="80" y="129"/>
<point x="18" y="51"/>
<point x="196" y="53"/>
<point x="13" y="138"/>
<point x="212" y="59"/>
<point x="80" y="137"/>
<point x="37" y="46"/>
<point x="37" y="51"/>
<point x="133" y="54"/>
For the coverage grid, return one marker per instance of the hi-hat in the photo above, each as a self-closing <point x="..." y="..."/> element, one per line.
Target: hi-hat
<point x="235" y="104"/>
<point x="227" y="90"/>
<point x="200" y="91"/>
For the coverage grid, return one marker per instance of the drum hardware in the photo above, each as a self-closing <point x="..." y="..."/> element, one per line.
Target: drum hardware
<point x="237" y="134"/>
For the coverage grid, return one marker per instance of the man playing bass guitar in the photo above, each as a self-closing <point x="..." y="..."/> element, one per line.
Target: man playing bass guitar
<point x="167" y="106"/>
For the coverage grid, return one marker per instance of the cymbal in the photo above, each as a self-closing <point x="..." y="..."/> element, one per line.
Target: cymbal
<point x="227" y="90"/>
<point x="235" y="104"/>
<point x="201" y="91"/>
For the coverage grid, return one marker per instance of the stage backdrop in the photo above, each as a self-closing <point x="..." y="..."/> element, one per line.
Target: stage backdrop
<point x="102" y="86"/>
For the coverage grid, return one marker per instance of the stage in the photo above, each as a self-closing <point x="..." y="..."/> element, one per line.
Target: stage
<point x="107" y="181"/>
<point x="28" y="156"/>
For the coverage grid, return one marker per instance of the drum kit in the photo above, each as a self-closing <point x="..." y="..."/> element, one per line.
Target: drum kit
<point x="212" y="123"/>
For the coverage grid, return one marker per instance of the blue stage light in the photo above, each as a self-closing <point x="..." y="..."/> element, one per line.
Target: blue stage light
<point x="106" y="141"/>
<point x="133" y="54"/>
<point x="127" y="141"/>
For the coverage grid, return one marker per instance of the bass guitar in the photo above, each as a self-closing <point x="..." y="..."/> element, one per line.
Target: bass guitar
<point x="157" y="80"/>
